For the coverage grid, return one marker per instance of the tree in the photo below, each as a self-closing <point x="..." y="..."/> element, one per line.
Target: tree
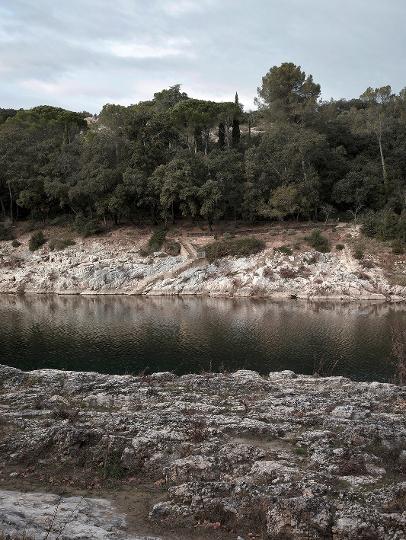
<point x="284" y="202"/>
<point x="373" y="119"/>
<point x="211" y="195"/>
<point x="288" y="94"/>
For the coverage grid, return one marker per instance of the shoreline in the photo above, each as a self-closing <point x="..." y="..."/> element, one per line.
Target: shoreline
<point x="113" y="265"/>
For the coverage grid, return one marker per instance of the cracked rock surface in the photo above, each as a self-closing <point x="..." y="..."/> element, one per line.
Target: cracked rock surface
<point x="283" y="456"/>
<point x="114" y="265"/>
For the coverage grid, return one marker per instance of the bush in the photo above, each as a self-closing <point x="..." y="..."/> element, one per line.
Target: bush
<point x="87" y="227"/>
<point x="172" y="248"/>
<point x="5" y="232"/>
<point x="15" y="243"/>
<point x="58" y="244"/>
<point x="358" y="253"/>
<point x="317" y="241"/>
<point x="236" y="247"/>
<point x="286" y="250"/>
<point x="340" y="247"/>
<point x="156" y="241"/>
<point x="398" y="247"/>
<point x="288" y="273"/>
<point x="366" y="263"/>
<point x="36" y="241"/>
<point x="385" y="225"/>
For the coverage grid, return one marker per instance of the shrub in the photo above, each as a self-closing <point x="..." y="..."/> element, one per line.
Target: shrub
<point x="87" y="227"/>
<point x="366" y="263"/>
<point x="172" y="248"/>
<point x="15" y="243"/>
<point x="318" y="241"/>
<point x="358" y="253"/>
<point x="288" y="273"/>
<point x="398" y="247"/>
<point x="156" y="242"/>
<point x="58" y="244"/>
<point x="5" y="232"/>
<point x="340" y="247"/>
<point x="157" y="239"/>
<point x="236" y="247"/>
<point x="385" y="225"/>
<point x="286" y="250"/>
<point x="36" y="241"/>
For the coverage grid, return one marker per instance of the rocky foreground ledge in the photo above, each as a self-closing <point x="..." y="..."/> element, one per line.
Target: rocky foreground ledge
<point x="227" y="455"/>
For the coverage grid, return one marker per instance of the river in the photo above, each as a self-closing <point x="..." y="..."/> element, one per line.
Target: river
<point x="184" y="335"/>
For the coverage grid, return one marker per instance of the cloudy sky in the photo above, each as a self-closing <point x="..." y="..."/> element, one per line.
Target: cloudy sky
<point x="80" y="54"/>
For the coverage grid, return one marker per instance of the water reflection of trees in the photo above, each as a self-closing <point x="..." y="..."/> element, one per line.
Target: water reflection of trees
<point x="255" y="333"/>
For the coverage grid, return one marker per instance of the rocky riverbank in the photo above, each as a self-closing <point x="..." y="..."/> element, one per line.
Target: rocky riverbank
<point x="220" y="455"/>
<point x="113" y="264"/>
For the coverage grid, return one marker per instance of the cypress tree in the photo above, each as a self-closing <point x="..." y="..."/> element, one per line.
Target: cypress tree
<point x="236" y="134"/>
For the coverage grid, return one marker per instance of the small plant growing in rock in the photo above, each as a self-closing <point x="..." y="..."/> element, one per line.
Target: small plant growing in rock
<point x="15" y="243"/>
<point x="358" y="252"/>
<point x="367" y="263"/>
<point x="398" y="247"/>
<point x="172" y="248"/>
<point x="287" y="273"/>
<point x="285" y="250"/>
<point x="340" y="247"/>
<point x="36" y="241"/>
<point x="58" y="244"/>
<point x="317" y="241"/>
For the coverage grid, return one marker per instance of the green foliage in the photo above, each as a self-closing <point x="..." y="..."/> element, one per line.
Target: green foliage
<point x="37" y="240"/>
<point x="5" y="232"/>
<point x="385" y="225"/>
<point x="358" y="252"/>
<point x="398" y="247"/>
<point x="236" y="247"/>
<point x="317" y="241"/>
<point x="87" y="227"/>
<point x="59" y="244"/>
<point x="15" y="243"/>
<point x="172" y="248"/>
<point x="288" y="93"/>
<point x="177" y="157"/>
<point x="286" y="250"/>
<point x="340" y="247"/>
<point x="157" y="239"/>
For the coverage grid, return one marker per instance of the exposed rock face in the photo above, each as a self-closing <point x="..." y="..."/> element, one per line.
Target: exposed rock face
<point x="106" y="266"/>
<point x="285" y="456"/>
<point x="41" y="515"/>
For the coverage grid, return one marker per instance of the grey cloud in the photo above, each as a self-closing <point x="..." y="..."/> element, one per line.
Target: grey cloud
<point x="82" y="53"/>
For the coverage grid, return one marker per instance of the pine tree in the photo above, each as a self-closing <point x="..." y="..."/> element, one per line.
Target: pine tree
<point x="236" y="134"/>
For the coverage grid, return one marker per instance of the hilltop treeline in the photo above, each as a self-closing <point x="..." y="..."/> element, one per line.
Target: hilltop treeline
<point x="296" y="157"/>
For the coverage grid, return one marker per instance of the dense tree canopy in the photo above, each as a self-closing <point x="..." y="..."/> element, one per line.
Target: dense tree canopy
<point x="176" y="157"/>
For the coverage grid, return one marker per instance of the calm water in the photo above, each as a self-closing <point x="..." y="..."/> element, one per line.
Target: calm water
<point x="128" y="335"/>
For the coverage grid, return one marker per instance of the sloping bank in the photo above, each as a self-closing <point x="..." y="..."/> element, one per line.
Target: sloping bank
<point x="105" y="268"/>
<point x="285" y="456"/>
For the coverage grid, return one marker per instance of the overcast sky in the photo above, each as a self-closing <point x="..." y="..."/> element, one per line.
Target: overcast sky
<point x="80" y="54"/>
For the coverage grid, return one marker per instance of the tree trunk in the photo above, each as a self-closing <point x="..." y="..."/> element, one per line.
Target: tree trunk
<point x="11" y="202"/>
<point x="384" y="172"/>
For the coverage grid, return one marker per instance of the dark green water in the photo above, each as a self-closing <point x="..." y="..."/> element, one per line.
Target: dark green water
<point x="129" y="335"/>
